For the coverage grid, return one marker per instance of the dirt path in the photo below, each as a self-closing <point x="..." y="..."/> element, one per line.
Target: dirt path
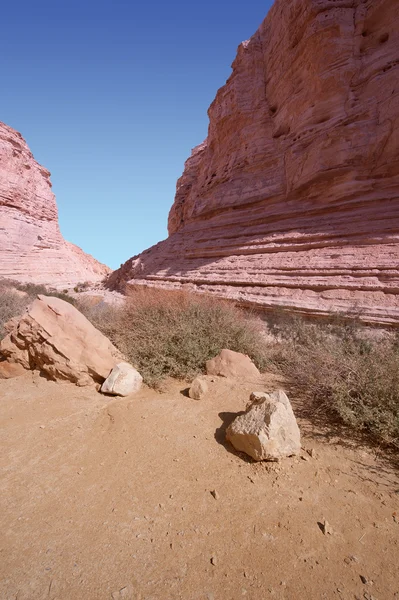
<point x="111" y="499"/>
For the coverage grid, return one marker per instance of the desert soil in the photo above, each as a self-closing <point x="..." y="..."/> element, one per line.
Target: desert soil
<point x="112" y="499"/>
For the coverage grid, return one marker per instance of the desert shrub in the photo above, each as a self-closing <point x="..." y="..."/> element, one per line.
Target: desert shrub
<point x="11" y="305"/>
<point x="61" y="296"/>
<point x="32" y="289"/>
<point x="345" y="370"/>
<point x="167" y="333"/>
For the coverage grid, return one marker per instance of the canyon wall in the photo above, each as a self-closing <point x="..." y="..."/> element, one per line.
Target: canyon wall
<point x="31" y="245"/>
<point x="293" y="199"/>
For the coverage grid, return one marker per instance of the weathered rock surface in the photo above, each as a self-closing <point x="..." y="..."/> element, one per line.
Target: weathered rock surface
<point x="232" y="364"/>
<point x="31" y="245"/>
<point x="268" y="430"/>
<point x="56" y="339"/>
<point x="198" y="388"/>
<point x="293" y="199"/>
<point x="122" y="381"/>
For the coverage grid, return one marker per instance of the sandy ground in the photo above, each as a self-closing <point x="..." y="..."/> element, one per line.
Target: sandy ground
<point x="111" y="499"/>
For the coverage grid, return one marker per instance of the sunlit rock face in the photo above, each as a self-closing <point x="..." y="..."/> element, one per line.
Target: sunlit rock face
<point x="31" y="245"/>
<point x="293" y="199"/>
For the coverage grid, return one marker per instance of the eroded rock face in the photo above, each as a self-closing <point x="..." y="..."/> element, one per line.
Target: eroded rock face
<point x="55" y="338"/>
<point x="293" y="199"/>
<point x="31" y="245"/>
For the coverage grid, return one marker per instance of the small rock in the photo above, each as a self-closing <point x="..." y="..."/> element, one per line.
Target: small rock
<point x="305" y="458"/>
<point x="214" y="561"/>
<point x="215" y="494"/>
<point x="198" y="388"/>
<point x="326" y="528"/>
<point x="122" y="381"/>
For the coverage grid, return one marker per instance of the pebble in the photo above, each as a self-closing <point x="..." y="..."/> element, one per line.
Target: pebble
<point x="350" y="559"/>
<point x="326" y="528"/>
<point x="214" y="561"/>
<point x="215" y="494"/>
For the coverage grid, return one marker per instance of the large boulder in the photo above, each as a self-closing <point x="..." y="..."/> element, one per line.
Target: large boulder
<point x="268" y="430"/>
<point x="122" y="381"/>
<point x="56" y="339"/>
<point x="232" y="364"/>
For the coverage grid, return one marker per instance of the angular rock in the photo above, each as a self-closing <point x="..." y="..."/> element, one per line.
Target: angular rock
<point x="56" y="339"/>
<point x="232" y="364"/>
<point x="268" y="430"/>
<point x="31" y="245"/>
<point x="198" y="388"/>
<point x="122" y="381"/>
<point x="293" y="199"/>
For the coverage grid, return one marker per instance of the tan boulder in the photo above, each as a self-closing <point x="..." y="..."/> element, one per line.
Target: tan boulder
<point x="55" y="338"/>
<point x="232" y="364"/>
<point x="122" y="381"/>
<point x="268" y="430"/>
<point x="198" y="388"/>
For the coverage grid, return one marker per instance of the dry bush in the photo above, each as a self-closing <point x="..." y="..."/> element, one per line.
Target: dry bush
<point x="168" y="333"/>
<point x="13" y="303"/>
<point x="347" y="371"/>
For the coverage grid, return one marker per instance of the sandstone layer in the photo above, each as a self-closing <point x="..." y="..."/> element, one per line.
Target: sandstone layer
<point x="293" y="199"/>
<point x="31" y="245"/>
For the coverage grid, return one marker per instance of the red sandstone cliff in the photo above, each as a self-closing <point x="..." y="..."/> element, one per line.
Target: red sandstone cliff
<point x="293" y="199"/>
<point x="31" y="245"/>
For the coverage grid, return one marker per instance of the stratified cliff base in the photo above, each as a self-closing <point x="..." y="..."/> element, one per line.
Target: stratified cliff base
<point x="293" y="199"/>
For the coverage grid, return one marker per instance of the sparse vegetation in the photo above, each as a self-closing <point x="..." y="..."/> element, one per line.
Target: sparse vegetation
<point x="15" y="297"/>
<point x="345" y="371"/>
<point x="165" y="333"/>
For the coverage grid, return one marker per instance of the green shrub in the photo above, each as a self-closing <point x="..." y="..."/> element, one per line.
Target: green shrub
<point x="165" y="333"/>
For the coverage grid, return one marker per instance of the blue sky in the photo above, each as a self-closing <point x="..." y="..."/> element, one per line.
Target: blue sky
<point x="111" y="96"/>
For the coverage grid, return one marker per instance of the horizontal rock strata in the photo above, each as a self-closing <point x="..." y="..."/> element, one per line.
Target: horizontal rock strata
<point x="31" y="245"/>
<point x="293" y="199"/>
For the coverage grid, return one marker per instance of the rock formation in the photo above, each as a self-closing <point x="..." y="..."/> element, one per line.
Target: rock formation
<point x="293" y="199"/>
<point x="54" y="338"/>
<point x="31" y="245"/>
